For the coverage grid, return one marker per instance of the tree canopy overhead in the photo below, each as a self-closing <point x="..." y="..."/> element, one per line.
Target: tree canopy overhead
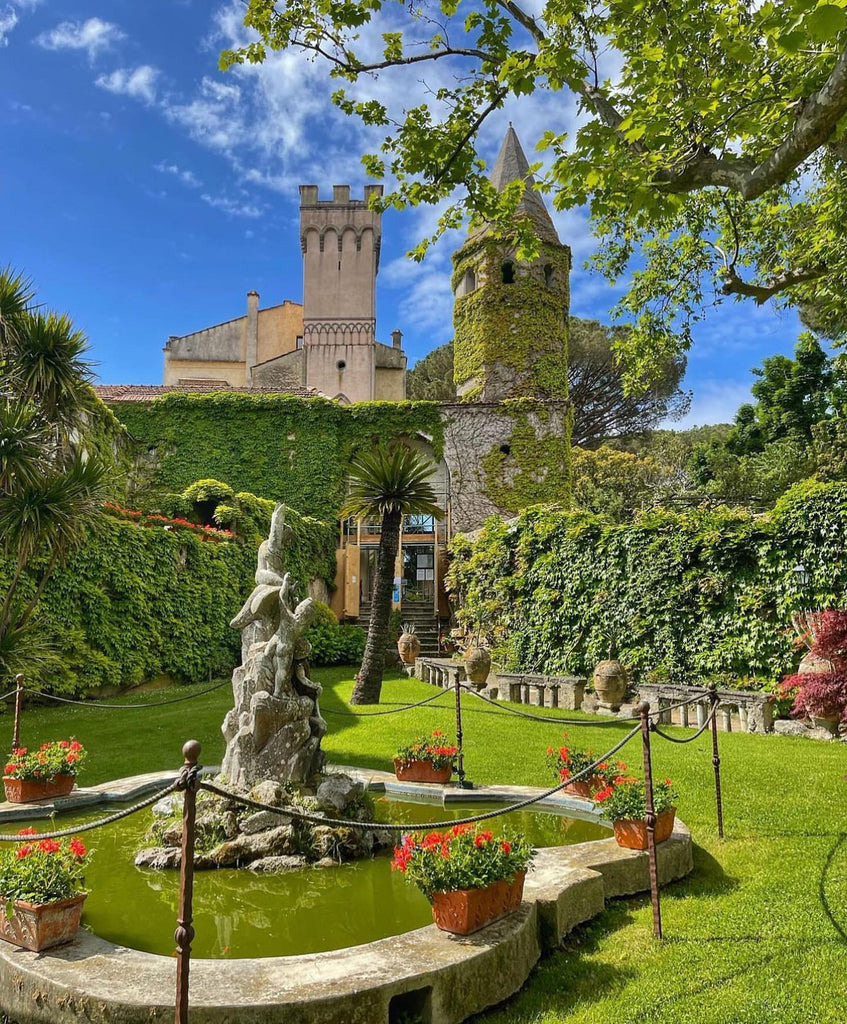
<point x="711" y="157"/>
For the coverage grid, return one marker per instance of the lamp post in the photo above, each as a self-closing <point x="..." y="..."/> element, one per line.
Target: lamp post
<point x="802" y="575"/>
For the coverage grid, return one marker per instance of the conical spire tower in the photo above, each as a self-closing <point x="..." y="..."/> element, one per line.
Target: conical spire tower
<point x="510" y="315"/>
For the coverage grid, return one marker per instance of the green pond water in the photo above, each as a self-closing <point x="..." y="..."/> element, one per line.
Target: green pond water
<point x="238" y="914"/>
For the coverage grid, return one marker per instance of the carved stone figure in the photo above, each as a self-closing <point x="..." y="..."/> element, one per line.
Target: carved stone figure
<point x="275" y="728"/>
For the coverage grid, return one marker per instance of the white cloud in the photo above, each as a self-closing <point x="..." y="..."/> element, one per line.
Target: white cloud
<point x="138" y="83"/>
<point x="94" y="36"/>
<point x="8" y="21"/>
<point x="185" y="176"/>
<point x="234" y="207"/>
<point x="715" y="401"/>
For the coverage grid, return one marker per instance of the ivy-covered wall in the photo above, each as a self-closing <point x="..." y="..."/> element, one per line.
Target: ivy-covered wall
<point x="684" y="596"/>
<point x="511" y="338"/>
<point x="138" y="602"/>
<point x="289" y="449"/>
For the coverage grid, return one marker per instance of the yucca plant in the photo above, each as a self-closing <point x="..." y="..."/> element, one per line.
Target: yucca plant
<point x="386" y="483"/>
<point x="51" y="487"/>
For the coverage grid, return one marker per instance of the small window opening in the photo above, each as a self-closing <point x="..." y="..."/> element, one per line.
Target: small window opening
<point x="548" y="275"/>
<point x="508" y="271"/>
<point x="506" y="449"/>
<point x="470" y="282"/>
<point x="341" y="364"/>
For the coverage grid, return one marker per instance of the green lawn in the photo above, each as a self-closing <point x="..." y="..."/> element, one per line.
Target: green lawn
<point x="757" y="934"/>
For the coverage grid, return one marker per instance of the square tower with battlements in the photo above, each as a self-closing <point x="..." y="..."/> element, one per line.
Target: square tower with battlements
<point x="340" y="239"/>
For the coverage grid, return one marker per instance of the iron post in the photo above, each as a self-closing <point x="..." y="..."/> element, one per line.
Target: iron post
<point x="460" y="760"/>
<point x="189" y="778"/>
<point x="19" y="700"/>
<point x="643" y="710"/>
<point x="716" y="760"/>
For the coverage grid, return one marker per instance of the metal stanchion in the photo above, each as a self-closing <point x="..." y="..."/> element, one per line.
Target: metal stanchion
<point x="643" y="710"/>
<point x="19" y="700"/>
<point x="189" y="779"/>
<point x="460" y="760"/>
<point x="716" y="760"/>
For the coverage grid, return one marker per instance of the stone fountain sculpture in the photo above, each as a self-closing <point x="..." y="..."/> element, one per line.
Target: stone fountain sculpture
<point x="275" y="728"/>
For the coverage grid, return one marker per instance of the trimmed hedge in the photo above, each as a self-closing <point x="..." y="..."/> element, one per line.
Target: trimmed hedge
<point x="136" y="602"/>
<point x="683" y="596"/>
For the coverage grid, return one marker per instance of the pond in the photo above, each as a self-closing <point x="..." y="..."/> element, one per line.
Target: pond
<point x="239" y="914"/>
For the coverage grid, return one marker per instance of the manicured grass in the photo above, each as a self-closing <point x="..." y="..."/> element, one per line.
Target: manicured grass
<point x="757" y="934"/>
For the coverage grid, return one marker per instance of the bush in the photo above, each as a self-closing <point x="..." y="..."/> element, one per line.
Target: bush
<point x="334" y="643"/>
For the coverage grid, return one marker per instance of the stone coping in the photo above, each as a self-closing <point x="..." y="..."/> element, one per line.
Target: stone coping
<point x="442" y="978"/>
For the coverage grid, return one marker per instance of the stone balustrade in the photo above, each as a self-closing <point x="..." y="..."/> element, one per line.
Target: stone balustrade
<point x="738" y="710"/>
<point x="542" y="691"/>
<point x="441" y="672"/>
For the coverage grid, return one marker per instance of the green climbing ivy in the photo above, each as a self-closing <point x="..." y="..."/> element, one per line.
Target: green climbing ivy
<point x="534" y="465"/>
<point x="521" y="327"/>
<point x="684" y="596"/>
<point x="284" y="448"/>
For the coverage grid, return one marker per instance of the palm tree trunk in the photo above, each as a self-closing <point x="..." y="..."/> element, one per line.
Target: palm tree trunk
<point x="369" y="680"/>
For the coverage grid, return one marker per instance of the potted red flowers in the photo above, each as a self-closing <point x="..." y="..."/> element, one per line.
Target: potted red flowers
<point x="469" y="876"/>
<point x="624" y="803"/>
<point x="41" y="774"/>
<point x="425" y="759"/>
<point x="566" y="762"/>
<point x="41" y="886"/>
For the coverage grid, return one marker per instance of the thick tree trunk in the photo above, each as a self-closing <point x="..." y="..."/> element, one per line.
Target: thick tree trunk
<point x="369" y="680"/>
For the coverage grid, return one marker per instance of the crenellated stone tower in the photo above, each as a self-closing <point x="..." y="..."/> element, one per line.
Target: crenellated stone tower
<point x="340" y="239"/>
<point x="510" y="315"/>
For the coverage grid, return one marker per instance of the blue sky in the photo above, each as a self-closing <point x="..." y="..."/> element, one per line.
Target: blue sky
<point x="145" y="192"/>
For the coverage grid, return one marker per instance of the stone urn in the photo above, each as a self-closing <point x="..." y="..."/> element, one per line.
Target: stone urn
<point x="477" y="665"/>
<point x="610" y="684"/>
<point x="408" y="646"/>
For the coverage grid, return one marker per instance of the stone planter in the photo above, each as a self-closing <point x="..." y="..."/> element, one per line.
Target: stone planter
<point x="27" y="791"/>
<point x="632" y="832"/>
<point x="408" y="647"/>
<point x="421" y="771"/>
<point x="38" y="926"/>
<point x="477" y="665"/>
<point x="610" y="684"/>
<point x="467" y="910"/>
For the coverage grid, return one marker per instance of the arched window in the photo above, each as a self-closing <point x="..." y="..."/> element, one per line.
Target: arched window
<point x="508" y="272"/>
<point x="548" y="275"/>
<point x="469" y="283"/>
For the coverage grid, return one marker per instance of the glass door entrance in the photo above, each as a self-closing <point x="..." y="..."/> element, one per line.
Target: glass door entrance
<point x="419" y="574"/>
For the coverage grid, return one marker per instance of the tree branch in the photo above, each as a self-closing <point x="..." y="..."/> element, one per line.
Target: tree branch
<point x="734" y="285"/>
<point x="816" y="120"/>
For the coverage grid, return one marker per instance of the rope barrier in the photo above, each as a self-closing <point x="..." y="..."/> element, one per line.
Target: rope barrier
<point x="91" y="825"/>
<point x="11" y="693"/>
<point x="389" y="711"/>
<point x="431" y="826"/>
<point x="124" y="707"/>
<point x="688" y="739"/>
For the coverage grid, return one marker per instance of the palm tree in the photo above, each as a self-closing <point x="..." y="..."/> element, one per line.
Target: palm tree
<point x="51" y="488"/>
<point x="386" y="483"/>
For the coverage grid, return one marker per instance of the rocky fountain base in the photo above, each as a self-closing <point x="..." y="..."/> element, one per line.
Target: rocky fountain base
<point x="230" y="835"/>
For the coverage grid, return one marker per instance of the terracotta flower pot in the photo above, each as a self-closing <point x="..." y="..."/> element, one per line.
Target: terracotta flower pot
<point x="467" y="910"/>
<point x="408" y="647"/>
<point x="27" y="791"/>
<point x="421" y="771"/>
<point x="632" y="832"/>
<point x="38" y="926"/>
<point x="583" y="788"/>
<point x="477" y="664"/>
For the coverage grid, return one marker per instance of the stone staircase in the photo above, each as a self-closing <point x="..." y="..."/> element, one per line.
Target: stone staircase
<point x="422" y="616"/>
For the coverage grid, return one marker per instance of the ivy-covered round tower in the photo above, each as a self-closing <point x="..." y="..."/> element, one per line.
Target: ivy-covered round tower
<point x="510" y="315"/>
